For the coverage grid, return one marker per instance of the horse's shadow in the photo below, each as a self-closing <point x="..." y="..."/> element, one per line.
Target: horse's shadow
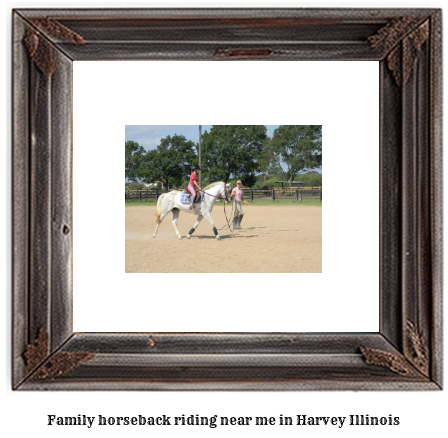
<point x="285" y="230"/>
<point x="221" y="237"/>
<point x="229" y="236"/>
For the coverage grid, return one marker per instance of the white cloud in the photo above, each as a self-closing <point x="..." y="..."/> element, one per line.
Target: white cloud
<point x="149" y="143"/>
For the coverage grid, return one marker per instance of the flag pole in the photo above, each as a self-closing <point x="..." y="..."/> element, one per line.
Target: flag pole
<point x="200" y="172"/>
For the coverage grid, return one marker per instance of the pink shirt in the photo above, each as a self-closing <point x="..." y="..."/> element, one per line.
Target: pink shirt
<point x="238" y="194"/>
<point x="193" y="178"/>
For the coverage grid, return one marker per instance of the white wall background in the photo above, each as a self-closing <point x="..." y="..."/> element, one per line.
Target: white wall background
<point x="110" y="95"/>
<point x="421" y="414"/>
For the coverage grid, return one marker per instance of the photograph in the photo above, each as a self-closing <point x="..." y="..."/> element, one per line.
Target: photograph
<point x="258" y="187"/>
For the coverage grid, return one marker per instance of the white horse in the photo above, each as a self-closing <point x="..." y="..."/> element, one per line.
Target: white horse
<point x="171" y="202"/>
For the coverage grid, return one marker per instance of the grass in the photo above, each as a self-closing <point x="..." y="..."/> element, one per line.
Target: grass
<point x="257" y="202"/>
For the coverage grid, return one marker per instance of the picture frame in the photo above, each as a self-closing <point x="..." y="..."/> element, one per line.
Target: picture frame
<point x="406" y="353"/>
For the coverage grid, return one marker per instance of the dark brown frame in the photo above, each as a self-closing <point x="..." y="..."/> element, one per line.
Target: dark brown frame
<point x="406" y="354"/>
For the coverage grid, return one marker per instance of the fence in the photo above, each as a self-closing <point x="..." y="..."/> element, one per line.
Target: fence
<point x="292" y="194"/>
<point x="143" y="195"/>
<point x="294" y="188"/>
<point x="297" y="195"/>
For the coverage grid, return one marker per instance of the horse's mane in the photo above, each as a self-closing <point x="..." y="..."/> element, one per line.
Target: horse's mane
<point x="213" y="185"/>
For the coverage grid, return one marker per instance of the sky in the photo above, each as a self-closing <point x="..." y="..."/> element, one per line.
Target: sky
<point x="149" y="136"/>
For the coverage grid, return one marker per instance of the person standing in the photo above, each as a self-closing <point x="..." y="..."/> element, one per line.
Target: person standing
<point x="194" y="181"/>
<point x="237" y="194"/>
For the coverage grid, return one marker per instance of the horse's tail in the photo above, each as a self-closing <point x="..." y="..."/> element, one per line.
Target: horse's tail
<point x="159" y="207"/>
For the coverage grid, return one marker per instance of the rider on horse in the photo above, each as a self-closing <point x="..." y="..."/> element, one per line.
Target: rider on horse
<point x="194" y="182"/>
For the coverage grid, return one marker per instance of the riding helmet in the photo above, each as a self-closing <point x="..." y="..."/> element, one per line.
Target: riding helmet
<point x="195" y="166"/>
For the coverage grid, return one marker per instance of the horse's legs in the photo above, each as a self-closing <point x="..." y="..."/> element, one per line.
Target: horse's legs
<point x="210" y="221"/>
<point x="162" y="216"/>
<point x="198" y="221"/>
<point x="175" y="217"/>
<point x="155" y="231"/>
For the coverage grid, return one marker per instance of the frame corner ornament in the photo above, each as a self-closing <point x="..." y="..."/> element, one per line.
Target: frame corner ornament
<point x="40" y="50"/>
<point x="37" y="351"/>
<point x="40" y="365"/>
<point x="401" y="40"/>
<point x="418" y="350"/>
<point x="395" y="362"/>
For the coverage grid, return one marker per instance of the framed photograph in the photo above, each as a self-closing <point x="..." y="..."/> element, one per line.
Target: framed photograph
<point x="50" y="353"/>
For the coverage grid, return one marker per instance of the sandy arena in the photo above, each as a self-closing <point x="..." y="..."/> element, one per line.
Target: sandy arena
<point x="273" y="239"/>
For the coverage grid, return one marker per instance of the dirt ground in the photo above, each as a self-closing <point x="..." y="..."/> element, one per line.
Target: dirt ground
<point x="273" y="239"/>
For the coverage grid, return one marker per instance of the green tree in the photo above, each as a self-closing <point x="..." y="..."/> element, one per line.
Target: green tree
<point x="249" y="179"/>
<point x="134" y="154"/>
<point x="297" y="148"/>
<point x="311" y="179"/>
<point x="231" y="150"/>
<point x="170" y="163"/>
<point x="266" y="159"/>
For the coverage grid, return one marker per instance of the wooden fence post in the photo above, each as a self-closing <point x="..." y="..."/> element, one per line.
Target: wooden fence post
<point x="301" y="196"/>
<point x="251" y="195"/>
<point x="320" y="195"/>
<point x="140" y="196"/>
<point x="297" y="195"/>
<point x="157" y="194"/>
<point x="273" y="196"/>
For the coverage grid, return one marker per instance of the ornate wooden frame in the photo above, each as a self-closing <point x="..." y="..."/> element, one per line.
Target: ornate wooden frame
<point x="406" y="354"/>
